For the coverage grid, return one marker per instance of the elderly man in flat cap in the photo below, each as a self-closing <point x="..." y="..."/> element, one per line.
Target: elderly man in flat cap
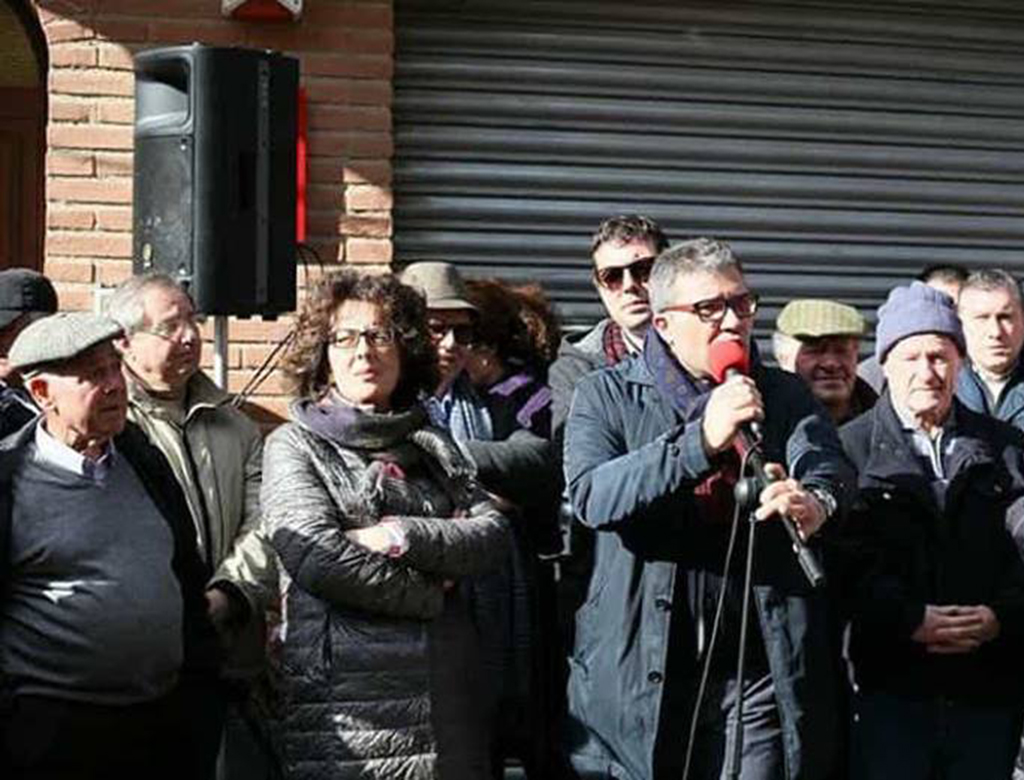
<point x="819" y="340"/>
<point x="103" y="624"/>
<point x="937" y="628"/>
<point x="24" y="296"/>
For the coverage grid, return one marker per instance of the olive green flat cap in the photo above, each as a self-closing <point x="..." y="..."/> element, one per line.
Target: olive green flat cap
<point x="816" y="318"/>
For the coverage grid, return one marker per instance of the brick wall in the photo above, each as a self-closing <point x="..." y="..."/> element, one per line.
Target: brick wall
<point x="345" y="51"/>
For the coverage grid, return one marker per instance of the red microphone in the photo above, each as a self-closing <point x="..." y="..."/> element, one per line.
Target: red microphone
<point x="728" y="359"/>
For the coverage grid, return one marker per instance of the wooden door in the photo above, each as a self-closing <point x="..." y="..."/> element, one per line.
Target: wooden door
<point x="21" y="183"/>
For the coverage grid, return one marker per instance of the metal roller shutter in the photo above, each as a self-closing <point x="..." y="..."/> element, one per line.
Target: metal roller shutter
<point x="840" y="146"/>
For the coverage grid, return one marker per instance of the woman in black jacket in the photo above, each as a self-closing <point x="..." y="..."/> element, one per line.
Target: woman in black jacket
<point x="375" y="516"/>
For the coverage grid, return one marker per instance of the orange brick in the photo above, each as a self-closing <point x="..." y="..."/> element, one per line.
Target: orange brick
<point x="368" y="250"/>
<point x="90" y="136"/>
<point x="114" y="164"/>
<point x="218" y="33"/>
<point x="325" y="117"/>
<point x="90" y="190"/>
<point x="72" y="56"/>
<point x="73" y="81"/>
<point x="254" y="355"/>
<point x="116" y="111"/>
<point x="329" y="249"/>
<point x="64" y="110"/>
<point x="98" y="244"/>
<point x="179" y="8"/>
<point x="258" y="330"/>
<point x="329" y="143"/>
<point x="70" y="219"/>
<point x="369" y="66"/>
<point x="325" y="170"/>
<point x="115" y="56"/>
<point x="114" y="219"/>
<point x="322" y="197"/>
<point x="368" y="172"/>
<point x="307" y="38"/>
<point x="365" y="227"/>
<point x="364" y="15"/>
<point x="327" y="89"/>
<point x="274" y="384"/>
<point x="72" y="297"/>
<point x="365" y="197"/>
<point x="123" y="30"/>
<point x="69" y="271"/>
<point x="70" y="164"/>
<point x="111" y="273"/>
<point x="62" y="30"/>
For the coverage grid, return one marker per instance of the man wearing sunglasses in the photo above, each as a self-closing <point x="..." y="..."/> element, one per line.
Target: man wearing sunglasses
<point x="650" y="466"/>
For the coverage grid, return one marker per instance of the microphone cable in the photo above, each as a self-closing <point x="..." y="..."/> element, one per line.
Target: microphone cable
<point x="719" y="609"/>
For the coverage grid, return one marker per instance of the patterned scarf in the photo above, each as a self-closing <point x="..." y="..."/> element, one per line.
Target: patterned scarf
<point x="689" y="397"/>
<point x="614" y="344"/>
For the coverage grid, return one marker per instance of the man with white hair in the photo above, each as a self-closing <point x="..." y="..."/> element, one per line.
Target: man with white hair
<point x="937" y="626"/>
<point x="103" y="629"/>
<point x="216" y="453"/>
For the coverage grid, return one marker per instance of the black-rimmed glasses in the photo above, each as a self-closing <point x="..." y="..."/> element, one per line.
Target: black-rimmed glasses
<point x="376" y="338"/>
<point x="743" y="306"/>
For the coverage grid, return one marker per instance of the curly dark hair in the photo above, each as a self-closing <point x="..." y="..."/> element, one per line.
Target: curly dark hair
<point x="404" y="310"/>
<point x="516" y="321"/>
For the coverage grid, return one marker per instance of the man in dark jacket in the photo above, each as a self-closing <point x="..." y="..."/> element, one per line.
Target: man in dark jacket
<point x="649" y="463"/>
<point x="937" y="629"/>
<point x="103" y="625"/>
<point x="24" y="296"/>
<point x="623" y="250"/>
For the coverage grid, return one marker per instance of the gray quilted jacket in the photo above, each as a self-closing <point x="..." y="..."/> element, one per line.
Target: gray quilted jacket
<point x="381" y="660"/>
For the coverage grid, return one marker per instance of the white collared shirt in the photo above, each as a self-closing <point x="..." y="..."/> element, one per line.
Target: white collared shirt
<point x="58" y="454"/>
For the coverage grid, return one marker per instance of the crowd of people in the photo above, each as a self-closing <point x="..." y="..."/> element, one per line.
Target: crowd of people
<point x="479" y="545"/>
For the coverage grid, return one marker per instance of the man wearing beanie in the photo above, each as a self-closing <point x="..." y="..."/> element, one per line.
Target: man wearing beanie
<point x="937" y="592"/>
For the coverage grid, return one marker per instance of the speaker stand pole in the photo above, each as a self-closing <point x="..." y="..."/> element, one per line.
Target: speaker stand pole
<point x="220" y="351"/>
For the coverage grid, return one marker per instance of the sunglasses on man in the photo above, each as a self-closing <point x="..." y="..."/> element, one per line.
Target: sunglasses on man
<point x="613" y="277"/>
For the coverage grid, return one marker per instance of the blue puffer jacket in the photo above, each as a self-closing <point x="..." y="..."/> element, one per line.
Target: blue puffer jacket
<point x="1010" y="404"/>
<point x="631" y="465"/>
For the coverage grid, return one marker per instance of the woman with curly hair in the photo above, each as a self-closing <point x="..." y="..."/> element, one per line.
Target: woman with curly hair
<point x="375" y="516"/>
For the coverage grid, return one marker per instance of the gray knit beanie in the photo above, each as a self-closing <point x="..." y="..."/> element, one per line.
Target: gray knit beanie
<point x="913" y="310"/>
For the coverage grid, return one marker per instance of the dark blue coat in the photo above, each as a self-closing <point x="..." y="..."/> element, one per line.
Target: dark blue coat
<point x="918" y="541"/>
<point x="631" y="465"/>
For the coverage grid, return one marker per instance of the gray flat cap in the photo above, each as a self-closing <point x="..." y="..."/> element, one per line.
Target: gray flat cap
<point x="60" y="337"/>
<point x="440" y="284"/>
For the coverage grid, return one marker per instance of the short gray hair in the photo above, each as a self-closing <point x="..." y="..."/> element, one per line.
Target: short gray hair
<point x="785" y="347"/>
<point x="993" y="279"/>
<point x="700" y="255"/>
<point x="125" y="304"/>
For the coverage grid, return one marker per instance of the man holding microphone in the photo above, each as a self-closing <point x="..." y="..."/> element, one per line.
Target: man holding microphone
<point x="650" y="464"/>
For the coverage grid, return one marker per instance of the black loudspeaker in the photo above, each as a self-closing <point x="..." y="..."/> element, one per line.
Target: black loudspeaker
<point x="215" y="132"/>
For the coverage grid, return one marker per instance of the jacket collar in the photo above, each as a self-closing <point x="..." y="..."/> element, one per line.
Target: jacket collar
<point x="892" y="458"/>
<point x="200" y="394"/>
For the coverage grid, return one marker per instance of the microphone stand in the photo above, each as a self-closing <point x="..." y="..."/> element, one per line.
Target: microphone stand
<point x="746" y="493"/>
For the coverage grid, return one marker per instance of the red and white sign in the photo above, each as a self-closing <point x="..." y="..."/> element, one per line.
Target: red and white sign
<point x="262" y="10"/>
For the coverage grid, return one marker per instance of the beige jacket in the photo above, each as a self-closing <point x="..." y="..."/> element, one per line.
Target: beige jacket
<point x="216" y="452"/>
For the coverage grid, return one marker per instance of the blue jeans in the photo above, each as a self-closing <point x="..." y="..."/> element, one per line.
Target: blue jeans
<point x="932" y="738"/>
<point x="762" y="757"/>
